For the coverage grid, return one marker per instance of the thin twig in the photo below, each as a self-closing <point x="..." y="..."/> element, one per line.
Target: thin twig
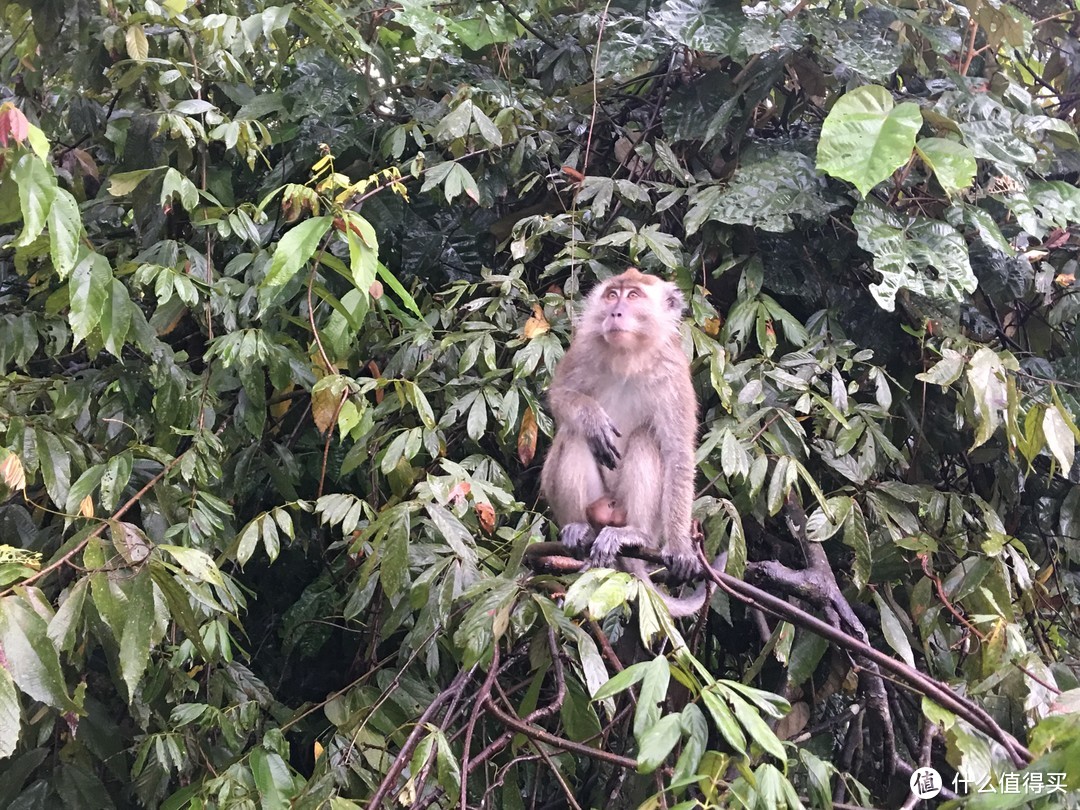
<point x="134" y="499"/>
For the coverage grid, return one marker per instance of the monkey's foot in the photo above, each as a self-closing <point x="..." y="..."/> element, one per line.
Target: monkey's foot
<point x="576" y="535"/>
<point x="611" y="541"/>
<point x="683" y="567"/>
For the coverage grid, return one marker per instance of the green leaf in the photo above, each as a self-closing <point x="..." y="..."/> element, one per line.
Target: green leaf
<point x="657" y="742"/>
<point x="865" y="137"/>
<point x="455" y="124"/>
<point x="196" y="562"/>
<point x="31" y="657"/>
<point x="54" y="461"/>
<point x="83" y="487"/>
<point x="857" y="537"/>
<point x="952" y="163"/>
<point x="272" y="779"/>
<point x="1059" y="438"/>
<point x="654" y="687"/>
<point x="924" y="255"/>
<point x="37" y="190"/>
<point x="64" y="625"/>
<point x="391" y="281"/>
<point x="986" y="374"/>
<point x="945" y="371"/>
<point x="88" y="291"/>
<point x="65" y="228"/>
<point x="455" y="533"/>
<point x="363" y="251"/>
<point x="294" y="249"/>
<point x="696" y="731"/>
<point x="488" y="131"/>
<point x="10" y="714"/>
<point x="752" y="721"/>
<point x="135" y="639"/>
<point x="783" y="477"/>
<point x="723" y="718"/>
<point x="459" y="180"/>
<point x="768" y="191"/>
<point x="893" y="630"/>
<point x="123" y="183"/>
<point x="176" y="185"/>
<point x="116" y="318"/>
<point x="249" y="539"/>
<point x="701" y="25"/>
<point x="113" y="480"/>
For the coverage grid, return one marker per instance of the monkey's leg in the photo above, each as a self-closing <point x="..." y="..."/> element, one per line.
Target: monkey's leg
<point x="636" y="487"/>
<point x="571" y="481"/>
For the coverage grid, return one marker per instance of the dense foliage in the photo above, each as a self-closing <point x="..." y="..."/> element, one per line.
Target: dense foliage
<point x="281" y="288"/>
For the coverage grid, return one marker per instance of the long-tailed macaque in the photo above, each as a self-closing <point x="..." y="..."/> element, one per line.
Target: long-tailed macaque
<point x="626" y="424"/>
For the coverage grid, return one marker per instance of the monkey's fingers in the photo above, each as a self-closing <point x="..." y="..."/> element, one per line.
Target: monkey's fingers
<point x="605" y="452"/>
<point x="576" y="535"/>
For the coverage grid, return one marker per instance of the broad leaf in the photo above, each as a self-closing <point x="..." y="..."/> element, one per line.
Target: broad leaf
<point x="866" y="137"/>
<point x="31" y="658"/>
<point x="952" y="163"/>
<point x="926" y="256"/>
<point x="295" y="249"/>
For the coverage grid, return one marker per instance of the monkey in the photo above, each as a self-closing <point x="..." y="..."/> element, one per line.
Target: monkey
<point x="626" y="425"/>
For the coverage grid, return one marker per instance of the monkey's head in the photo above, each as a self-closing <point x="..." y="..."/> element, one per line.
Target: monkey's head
<point x="632" y="310"/>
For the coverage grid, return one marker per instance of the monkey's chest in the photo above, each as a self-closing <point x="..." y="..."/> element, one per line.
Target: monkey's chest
<point x="627" y="404"/>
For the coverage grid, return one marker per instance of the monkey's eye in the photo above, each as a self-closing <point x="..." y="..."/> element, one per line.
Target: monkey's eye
<point x="633" y="294"/>
<point x="611" y="295"/>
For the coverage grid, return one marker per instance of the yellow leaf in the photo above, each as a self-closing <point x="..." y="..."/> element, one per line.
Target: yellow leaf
<point x="11" y="471"/>
<point x="138" y="47"/>
<point x="318" y="749"/>
<point x="86" y="507"/>
<point x="537" y="324"/>
<point x="279" y="409"/>
<point x="526" y="443"/>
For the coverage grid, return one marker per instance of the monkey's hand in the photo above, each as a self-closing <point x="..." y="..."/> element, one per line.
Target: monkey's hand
<point x="576" y="535"/>
<point x="611" y="541"/>
<point x="600" y="434"/>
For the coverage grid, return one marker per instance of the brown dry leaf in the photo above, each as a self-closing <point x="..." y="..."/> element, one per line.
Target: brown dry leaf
<point x="486" y="515"/>
<point x="794" y="722"/>
<point x="279" y="409"/>
<point x="1064" y="279"/>
<point x="167" y="328"/>
<point x="86" y="507"/>
<point x="373" y="367"/>
<point x="324" y="408"/>
<point x="460" y="491"/>
<point x="526" y="443"/>
<point x="712" y="326"/>
<point x="537" y="324"/>
<point x="12" y="473"/>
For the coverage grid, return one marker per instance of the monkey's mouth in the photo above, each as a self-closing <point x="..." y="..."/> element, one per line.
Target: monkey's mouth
<point x="620" y="335"/>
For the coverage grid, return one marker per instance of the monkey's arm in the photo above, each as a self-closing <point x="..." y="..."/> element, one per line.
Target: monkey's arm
<point x="578" y="413"/>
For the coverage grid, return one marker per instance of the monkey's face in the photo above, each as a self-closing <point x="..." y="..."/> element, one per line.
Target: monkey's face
<point x="628" y="316"/>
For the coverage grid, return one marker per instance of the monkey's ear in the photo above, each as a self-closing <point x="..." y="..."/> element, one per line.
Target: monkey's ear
<point x="674" y="299"/>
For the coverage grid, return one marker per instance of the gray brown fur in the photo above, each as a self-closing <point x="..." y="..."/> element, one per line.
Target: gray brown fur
<point x="626" y="423"/>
